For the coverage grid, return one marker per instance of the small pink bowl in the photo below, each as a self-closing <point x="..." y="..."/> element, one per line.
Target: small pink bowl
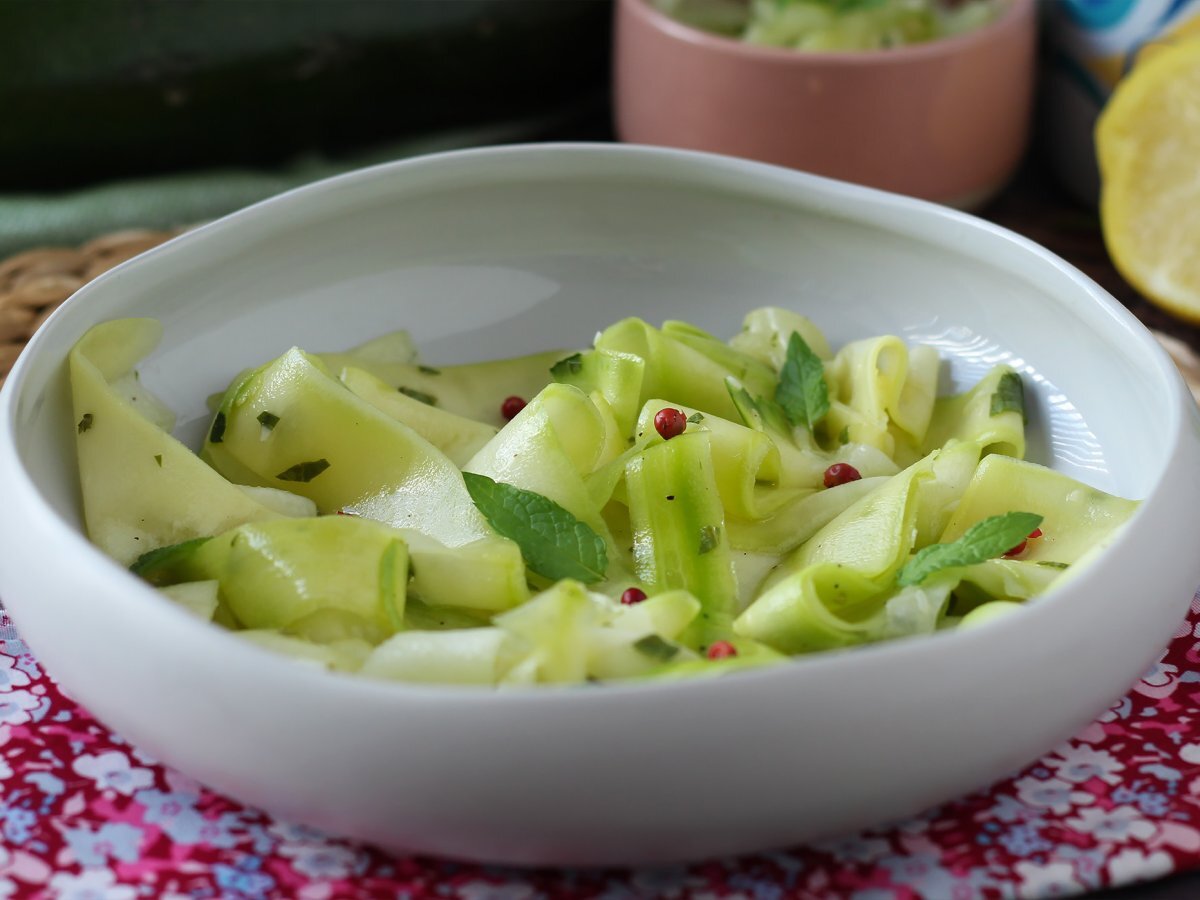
<point x="946" y="120"/>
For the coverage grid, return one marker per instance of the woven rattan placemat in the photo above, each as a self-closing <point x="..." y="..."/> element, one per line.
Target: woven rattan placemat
<point x="34" y="283"/>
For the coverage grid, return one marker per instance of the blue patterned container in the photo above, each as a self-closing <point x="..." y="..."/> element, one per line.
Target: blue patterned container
<point x="1093" y="44"/>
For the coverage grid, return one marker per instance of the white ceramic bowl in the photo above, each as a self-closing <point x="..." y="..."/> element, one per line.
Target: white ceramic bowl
<point x="495" y="252"/>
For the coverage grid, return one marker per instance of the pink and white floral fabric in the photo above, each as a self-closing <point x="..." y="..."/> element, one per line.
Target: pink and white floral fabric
<point x="85" y="815"/>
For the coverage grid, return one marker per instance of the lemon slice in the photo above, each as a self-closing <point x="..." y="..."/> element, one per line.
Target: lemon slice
<point x="1148" y="145"/>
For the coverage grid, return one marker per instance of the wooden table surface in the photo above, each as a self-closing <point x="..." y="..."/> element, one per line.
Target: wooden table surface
<point x="1034" y="206"/>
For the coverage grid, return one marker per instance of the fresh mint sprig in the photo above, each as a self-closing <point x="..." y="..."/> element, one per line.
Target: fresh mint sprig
<point x="802" y="391"/>
<point x="1009" y="396"/>
<point x="984" y="540"/>
<point x="553" y="542"/>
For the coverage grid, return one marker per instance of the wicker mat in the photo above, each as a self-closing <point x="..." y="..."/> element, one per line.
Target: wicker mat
<point x="34" y="283"/>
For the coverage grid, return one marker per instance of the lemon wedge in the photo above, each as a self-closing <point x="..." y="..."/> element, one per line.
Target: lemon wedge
<point x="1148" y="146"/>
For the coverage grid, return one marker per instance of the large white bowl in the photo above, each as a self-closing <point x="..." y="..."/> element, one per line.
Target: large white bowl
<point x="496" y="252"/>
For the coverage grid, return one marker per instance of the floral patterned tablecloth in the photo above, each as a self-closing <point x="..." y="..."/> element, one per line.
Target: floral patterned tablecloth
<point x="85" y="815"/>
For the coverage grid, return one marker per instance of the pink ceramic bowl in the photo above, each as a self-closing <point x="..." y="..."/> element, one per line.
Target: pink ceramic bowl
<point x="946" y="120"/>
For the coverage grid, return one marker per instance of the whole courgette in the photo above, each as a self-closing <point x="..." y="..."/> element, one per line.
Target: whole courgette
<point x="100" y="88"/>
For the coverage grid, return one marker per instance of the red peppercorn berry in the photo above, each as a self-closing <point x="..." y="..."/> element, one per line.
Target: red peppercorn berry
<point x="841" y="473"/>
<point x="632" y="596"/>
<point x="510" y="407"/>
<point x="721" y="650"/>
<point x="670" y="423"/>
<point x="1020" y="548"/>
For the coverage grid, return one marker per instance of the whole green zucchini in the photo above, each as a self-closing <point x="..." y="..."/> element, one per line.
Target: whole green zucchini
<point x="100" y="88"/>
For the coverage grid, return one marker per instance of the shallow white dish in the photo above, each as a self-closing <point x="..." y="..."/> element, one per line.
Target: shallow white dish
<point x="496" y="252"/>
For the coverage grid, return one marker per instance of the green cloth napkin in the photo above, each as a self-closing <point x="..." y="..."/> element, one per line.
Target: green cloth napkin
<point x="34" y="220"/>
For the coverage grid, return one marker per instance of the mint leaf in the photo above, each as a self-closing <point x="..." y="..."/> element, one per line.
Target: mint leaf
<point x="1009" y="396"/>
<point x="984" y="540"/>
<point x="565" y="368"/>
<point x="802" y="391"/>
<point x="553" y="542"/>
<point x="656" y="648"/>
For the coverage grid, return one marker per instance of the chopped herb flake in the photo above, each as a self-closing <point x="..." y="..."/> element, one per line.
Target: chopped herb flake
<point x="268" y="420"/>
<point x="1009" y="396"/>
<point x="217" y="434"/>
<point x="656" y="648"/>
<point x="158" y="566"/>
<point x="85" y="423"/>
<point x="1051" y="564"/>
<point x="429" y="370"/>
<point x="844" y="435"/>
<point x="710" y="536"/>
<point x="564" y="368"/>
<point x="158" y="459"/>
<point x="696" y="418"/>
<point x="427" y="399"/>
<point x="304" y="471"/>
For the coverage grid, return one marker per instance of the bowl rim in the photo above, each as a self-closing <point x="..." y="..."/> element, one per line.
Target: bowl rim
<point x="839" y="198"/>
<point x="1016" y="15"/>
